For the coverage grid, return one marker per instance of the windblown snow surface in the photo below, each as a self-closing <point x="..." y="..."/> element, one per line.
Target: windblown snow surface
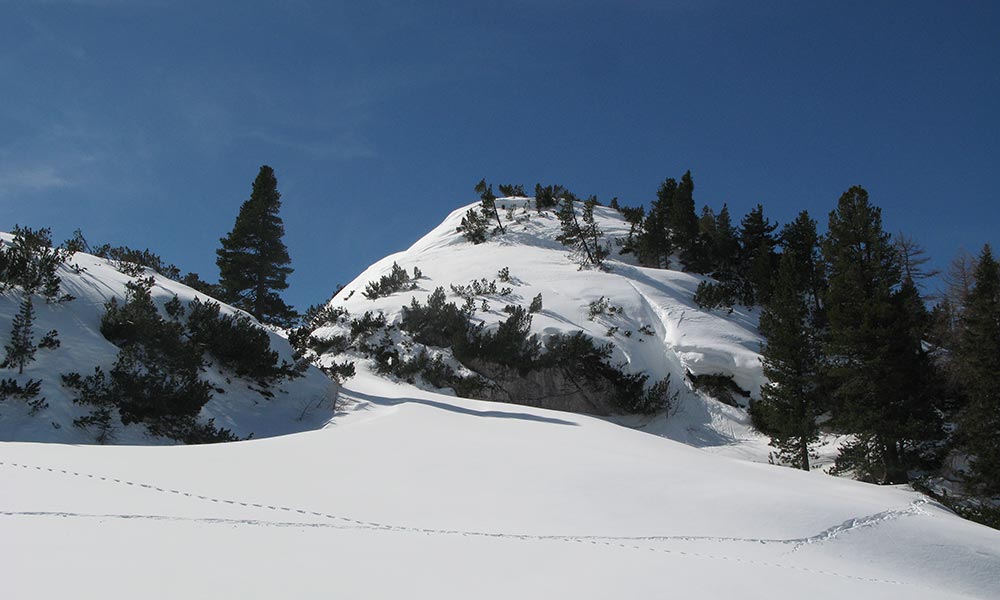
<point x="411" y="492"/>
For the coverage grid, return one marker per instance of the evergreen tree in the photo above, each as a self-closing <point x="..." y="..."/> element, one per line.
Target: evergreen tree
<point x="725" y="246"/>
<point x="800" y="240"/>
<point x="653" y="243"/>
<point x="756" y="256"/>
<point x="683" y="223"/>
<point x="488" y="203"/>
<point x="583" y="240"/>
<point x="877" y="364"/>
<point x="21" y="349"/>
<point x="253" y="260"/>
<point x="978" y="351"/>
<point x="791" y="400"/>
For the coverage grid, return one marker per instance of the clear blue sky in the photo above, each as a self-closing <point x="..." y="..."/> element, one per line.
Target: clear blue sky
<point x="144" y="122"/>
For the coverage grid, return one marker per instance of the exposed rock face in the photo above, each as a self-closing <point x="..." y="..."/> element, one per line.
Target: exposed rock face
<point x="554" y="388"/>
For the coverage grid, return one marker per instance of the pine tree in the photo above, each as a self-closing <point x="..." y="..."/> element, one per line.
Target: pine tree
<point x="978" y="350"/>
<point x="756" y="256"/>
<point x="488" y="203"/>
<point x="725" y="246"/>
<point x="876" y="361"/>
<point x="583" y="240"/>
<point x="253" y="260"/>
<point x="683" y="223"/>
<point x="21" y="349"/>
<point x="653" y="244"/>
<point x="799" y="238"/>
<point x="791" y="400"/>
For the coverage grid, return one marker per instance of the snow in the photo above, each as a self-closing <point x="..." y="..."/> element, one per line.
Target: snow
<point x="415" y="492"/>
<point x="299" y="405"/>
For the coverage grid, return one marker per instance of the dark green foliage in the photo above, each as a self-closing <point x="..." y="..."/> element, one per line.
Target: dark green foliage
<point x="716" y="295"/>
<point x="439" y="323"/>
<point x="792" y="360"/>
<point x="719" y="386"/>
<point x="883" y="385"/>
<point x="21" y="348"/>
<point x="27" y="393"/>
<point x="634" y="216"/>
<point x="488" y="205"/>
<point x="978" y="351"/>
<point x="576" y="353"/>
<point x="133" y="262"/>
<point x="799" y="240"/>
<point x="174" y="307"/>
<point x="683" y="223"/>
<point x="536" y="304"/>
<point x="193" y="281"/>
<point x="236" y="342"/>
<point x="474" y="227"/>
<point x="723" y="247"/>
<point x="512" y="190"/>
<point x="396" y="281"/>
<point x="549" y="196"/>
<point x="654" y="242"/>
<point x="584" y="240"/>
<point x="77" y="243"/>
<point x="50" y="340"/>
<point x="504" y="275"/>
<point x="30" y="263"/>
<point x="339" y="372"/>
<point x="367" y="324"/>
<point x="756" y="259"/>
<point x="511" y="344"/>
<point x="253" y="260"/>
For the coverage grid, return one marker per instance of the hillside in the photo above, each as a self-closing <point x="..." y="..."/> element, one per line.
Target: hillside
<point x="659" y="330"/>
<point x="238" y="404"/>
<point x="411" y="490"/>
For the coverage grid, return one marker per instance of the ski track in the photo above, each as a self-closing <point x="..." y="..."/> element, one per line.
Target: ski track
<point x="626" y="542"/>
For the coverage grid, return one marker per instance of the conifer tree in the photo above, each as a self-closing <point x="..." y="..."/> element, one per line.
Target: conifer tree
<point x="756" y="256"/>
<point x="653" y="243"/>
<point x="583" y="240"/>
<point x="725" y="246"/>
<point x="791" y="401"/>
<point x="488" y="203"/>
<point x="800" y="240"/>
<point x="683" y="222"/>
<point x="877" y="363"/>
<point x="978" y="352"/>
<point x="21" y="349"/>
<point x="253" y="260"/>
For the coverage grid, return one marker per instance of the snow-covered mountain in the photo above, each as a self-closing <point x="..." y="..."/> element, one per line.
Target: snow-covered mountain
<point x="411" y="490"/>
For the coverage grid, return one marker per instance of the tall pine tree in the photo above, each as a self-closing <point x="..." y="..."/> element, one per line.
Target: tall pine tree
<point x="876" y="361"/>
<point x="978" y="352"/>
<point x="756" y="256"/>
<point x="792" y="399"/>
<point x="253" y="260"/>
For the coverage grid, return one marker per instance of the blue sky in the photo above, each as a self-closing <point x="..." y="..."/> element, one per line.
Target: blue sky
<point x="144" y="122"/>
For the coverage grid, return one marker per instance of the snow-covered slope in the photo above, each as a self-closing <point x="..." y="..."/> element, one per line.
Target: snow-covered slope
<point x="659" y="331"/>
<point x="422" y="495"/>
<point x="300" y="404"/>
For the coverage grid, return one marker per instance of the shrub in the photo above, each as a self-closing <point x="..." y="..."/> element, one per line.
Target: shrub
<point x="236" y="342"/>
<point x="474" y="227"/>
<point x="396" y="281"/>
<point x="439" y="323"/>
<point x="30" y="263"/>
<point x="27" y="393"/>
<point x="716" y="295"/>
<point x="536" y="304"/>
<point x="133" y="262"/>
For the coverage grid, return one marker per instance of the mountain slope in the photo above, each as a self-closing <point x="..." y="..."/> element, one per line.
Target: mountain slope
<point x="659" y="330"/>
<point x="237" y="404"/>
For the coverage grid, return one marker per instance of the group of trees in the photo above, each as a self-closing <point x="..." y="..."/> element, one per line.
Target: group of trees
<point x="850" y="342"/>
